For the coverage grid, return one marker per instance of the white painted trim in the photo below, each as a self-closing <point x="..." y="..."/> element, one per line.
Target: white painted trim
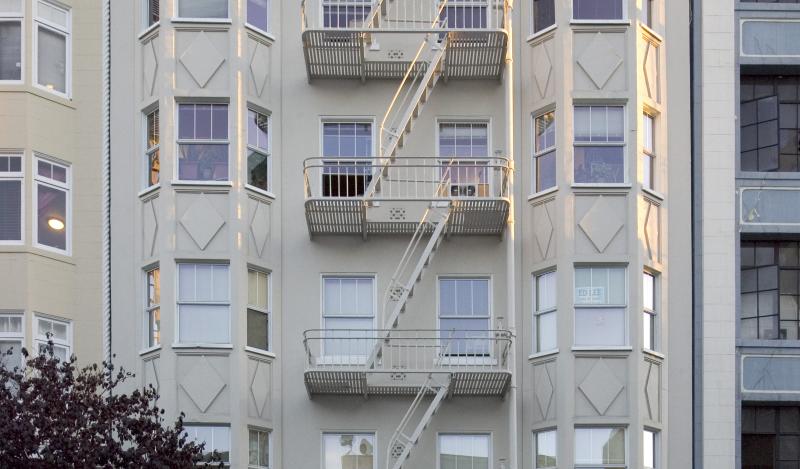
<point x="66" y="188"/>
<point x="488" y="434"/>
<point x="17" y="176"/>
<point x="64" y="31"/>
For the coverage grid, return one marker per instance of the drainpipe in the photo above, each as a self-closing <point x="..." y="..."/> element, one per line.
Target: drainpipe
<point x="510" y="240"/>
<point x="106" y="178"/>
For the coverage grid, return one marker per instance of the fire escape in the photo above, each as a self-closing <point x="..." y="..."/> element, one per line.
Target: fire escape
<point x="420" y="43"/>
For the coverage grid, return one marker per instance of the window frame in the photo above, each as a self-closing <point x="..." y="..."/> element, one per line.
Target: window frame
<point x="537" y="154"/>
<point x="147" y="14"/>
<point x="537" y="313"/>
<point x="343" y="162"/>
<point x="179" y="303"/>
<point x="543" y="30"/>
<point x="210" y="141"/>
<point x="39" y="339"/>
<point x="250" y="25"/>
<point x="350" y="359"/>
<point x="267" y="312"/>
<point x="149" y="151"/>
<point x="626" y="451"/>
<point x="650" y="314"/>
<point x="14" y="17"/>
<point x="649" y="128"/>
<point x="355" y="433"/>
<point x="623" y="144"/>
<point x="478" y="161"/>
<point x="201" y="19"/>
<point x="65" y="31"/>
<point x="624" y="307"/>
<point x="268" y="432"/>
<point x="267" y="153"/>
<point x="467" y="358"/>
<point x="149" y="309"/>
<point x="65" y="187"/>
<point x="489" y="437"/>
<point x="15" y="336"/>
<point x="535" y="447"/>
<point x="654" y="434"/>
<point x="16" y="176"/>
<point x="211" y="445"/>
<point x="622" y="19"/>
<point x="648" y="13"/>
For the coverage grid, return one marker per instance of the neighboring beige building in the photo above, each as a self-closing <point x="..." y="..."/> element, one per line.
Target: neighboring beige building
<point x="51" y="232"/>
<point x="284" y="172"/>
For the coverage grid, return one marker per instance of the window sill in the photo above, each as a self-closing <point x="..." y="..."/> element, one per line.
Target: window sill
<point x="260" y="32"/>
<point x="149" y="190"/>
<point x="258" y="351"/>
<point x="588" y="187"/>
<point x="542" y="33"/>
<point x="149" y="350"/>
<point x="58" y="94"/>
<point x="597" y="348"/>
<point x="202" y="345"/>
<point x="549" y="353"/>
<point x="540" y="194"/>
<point x="657" y="195"/>
<point x="261" y="192"/>
<point x="224" y="21"/>
<point x="653" y="353"/>
<point x="178" y="183"/>
<point x="149" y="30"/>
<point x="610" y="22"/>
<point x="51" y="250"/>
<point x="652" y="32"/>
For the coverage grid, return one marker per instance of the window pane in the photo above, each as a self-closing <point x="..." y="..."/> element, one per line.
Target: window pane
<point x="258" y="170"/>
<point x="600" y="285"/>
<point x="52" y="61"/>
<point x="597" y="9"/>
<point x="10" y="210"/>
<point x="599" y="164"/>
<point x="348" y="451"/>
<point x="203" y="162"/>
<point x="546" y="171"/>
<point x="648" y="328"/>
<point x="186" y="117"/>
<point x="463" y="451"/>
<point x="599" y="327"/>
<point x="10" y="50"/>
<point x="152" y="12"/>
<point x="257" y="330"/>
<point x="545" y="128"/>
<point x="545" y="450"/>
<point x="544" y="14"/>
<point x="257" y="14"/>
<point x="546" y="332"/>
<point x="648" y="144"/>
<point x="52" y="223"/>
<point x="204" y="324"/>
<point x="648" y="291"/>
<point x="649" y="449"/>
<point x="546" y="291"/>
<point x="51" y="13"/>
<point x="203" y="8"/>
<point x="153" y="287"/>
<point x="599" y="446"/>
<point x="257" y="130"/>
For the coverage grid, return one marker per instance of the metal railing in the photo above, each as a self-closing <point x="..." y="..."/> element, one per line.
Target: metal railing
<point x="409" y="351"/>
<point x="407" y="178"/>
<point x="402" y="15"/>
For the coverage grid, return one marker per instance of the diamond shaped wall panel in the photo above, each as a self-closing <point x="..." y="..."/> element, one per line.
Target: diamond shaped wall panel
<point x="150" y="227"/>
<point x="599" y="61"/>
<point x="258" y="68"/>
<point x="151" y="372"/>
<point x="542" y="70"/>
<point x="202" y="221"/>
<point x="202" y="60"/>
<point x="650" y="70"/>
<point x="544" y="391"/>
<point x="650" y="216"/>
<point x="150" y="66"/>
<point x="203" y="384"/>
<point x="601" y="221"/>
<point x="651" y="393"/>
<point x="259" y="386"/>
<point x="543" y="227"/>
<point x="258" y="233"/>
<point x="601" y="387"/>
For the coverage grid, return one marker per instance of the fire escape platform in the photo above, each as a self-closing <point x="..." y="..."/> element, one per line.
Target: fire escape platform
<point x="353" y="382"/>
<point x="341" y="54"/>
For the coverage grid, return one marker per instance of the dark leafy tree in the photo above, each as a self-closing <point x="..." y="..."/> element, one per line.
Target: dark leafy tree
<point x="53" y="414"/>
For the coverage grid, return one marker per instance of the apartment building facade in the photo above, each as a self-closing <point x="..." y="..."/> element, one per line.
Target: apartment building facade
<point x="352" y="233"/>
<point x="51" y="179"/>
<point x="746" y="233"/>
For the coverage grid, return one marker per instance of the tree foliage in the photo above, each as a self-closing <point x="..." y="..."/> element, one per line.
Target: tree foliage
<point x="53" y="414"/>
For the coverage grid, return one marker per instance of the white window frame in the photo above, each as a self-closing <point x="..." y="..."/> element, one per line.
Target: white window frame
<point x="178" y="18"/>
<point x="654" y="434"/>
<point x="146" y="13"/>
<point x="14" y="17"/>
<point x="622" y="144"/>
<point x="16" y="176"/>
<point x="623" y="307"/>
<point x="649" y="155"/>
<point x="648" y="13"/>
<point x="179" y="303"/>
<point x="546" y="29"/>
<point x="148" y="150"/>
<point x="469" y="359"/>
<point x="476" y="160"/>
<point x="210" y="445"/>
<point x="343" y="4"/>
<point x="66" y="187"/>
<point x="535" y="446"/>
<point x="15" y="336"/>
<point x="41" y="339"/>
<point x="267" y="312"/>
<point x="650" y="314"/>
<point x="624" y="18"/>
<point x="150" y="309"/>
<point x="535" y="189"/>
<point x="371" y="160"/>
<point x="485" y="4"/>
<point x="269" y="448"/>
<point x="489" y="436"/>
<point x="65" y="31"/>
<point x="211" y="141"/>
<point x="265" y="152"/>
<point x="604" y="466"/>
<point x="250" y="25"/>
<point x="365" y="433"/>
<point x="345" y="359"/>
<point x="537" y="313"/>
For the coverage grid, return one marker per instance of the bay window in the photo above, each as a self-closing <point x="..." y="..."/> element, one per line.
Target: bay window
<point x="258" y="150"/>
<point x="202" y="142"/>
<point x="203" y="9"/>
<point x="544" y="447"/>
<point x="203" y="304"/>
<point x="600" y="447"/>
<point x="599" y="144"/>
<point x="11" y="20"/>
<point x="52" y="201"/>
<point x="57" y="331"/>
<point x="153" y="150"/>
<point x="153" y="308"/>
<point x="52" y="49"/>
<point x="258" y="310"/>
<point x="600" y="305"/>
<point x="545" y="315"/>
<point x="544" y="153"/>
<point x="597" y="9"/>
<point x="11" y="178"/>
<point x="12" y="339"/>
<point x="258" y="449"/>
<point x="216" y="438"/>
<point x="649" y="322"/>
<point x="648" y="151"/>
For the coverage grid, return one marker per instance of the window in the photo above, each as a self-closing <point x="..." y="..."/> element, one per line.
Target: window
<point x="202" y="142"/>
<point x="544" y="14"/>
<point x="465" y="14"/>
<point x="600" y="301"/>
<point x="151" y="12"/>
<point x="465" y="147"/>
<point x="349" y="450"/>
<point x="11" y="177"/>
<point x="153" y="308"/>
<point x="11" y="14"/>
<point x="12" y="339"/>
<point x="649" y="324"/>
<point x="544" y="444"/>
<point x="770" y="290"/>
<point x="600" y="447"/>
<point x="770" y="436"/>
<point x="647" y="12"/>
<point x="544" y="151"/>
<point x="203" y="303"/>
<point x="545" y="314"/>
<point x="597" y="9"/>
<point x="648" y="151"/>
<point x="768" y="115"/>
<point x="649" y="449"/>
<point x="348" y="314"/>
<point x="211" y="9"/>
<point x="258" y="150"/>
<point x="464" y="451"/>
<point x="345" y="13"/>
<point x="152" y="154"/>
<point x="258" y="313"/>
<point x="52" y="204"/>
<point x="258" y="14"/>
<point x="59" y="332"/>
<point x="216" y="438"/>
<point x="347" y="148"/>
<point x="258" y="454"/>
<point x="52" y="47"/>
<point x="599" y="144"/>
<point x="464" y="316"/>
